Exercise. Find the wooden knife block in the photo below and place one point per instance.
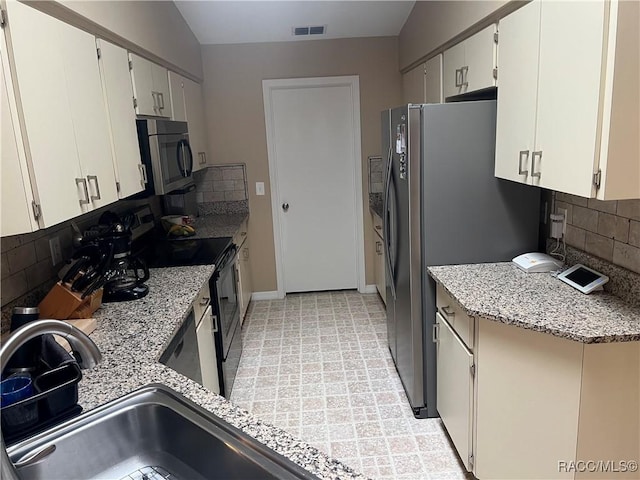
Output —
(61, 303)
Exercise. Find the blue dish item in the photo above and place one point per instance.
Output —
(15, 388)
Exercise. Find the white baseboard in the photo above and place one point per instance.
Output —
(370, 289)
(265, 295)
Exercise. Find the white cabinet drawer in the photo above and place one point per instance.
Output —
(453, 313)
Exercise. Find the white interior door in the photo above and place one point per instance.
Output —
(314, 135)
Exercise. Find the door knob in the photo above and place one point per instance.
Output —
(285, 207)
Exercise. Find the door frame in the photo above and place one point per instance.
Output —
(351, 81)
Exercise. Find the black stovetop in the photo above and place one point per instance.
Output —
(159, 251)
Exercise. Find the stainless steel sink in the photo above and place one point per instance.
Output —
(150, 433)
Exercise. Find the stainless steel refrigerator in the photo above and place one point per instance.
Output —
(442, 205)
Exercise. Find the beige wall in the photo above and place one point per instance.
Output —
(233, 77)
(433, 23)
(155, 26)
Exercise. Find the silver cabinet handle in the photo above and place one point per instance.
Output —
(203, 158)
(95, 179)
(155, 101)
(285, 207)
(458, 77)
(522, 171)
(86, 200)
(204, 301)
(533, 163)
(434, 333)
(464, 74)
(161, 98)
(448, 311)
(143, 174)
(378, 227)
(379, 248)
(215, 323)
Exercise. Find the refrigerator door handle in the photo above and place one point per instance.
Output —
(387, 231)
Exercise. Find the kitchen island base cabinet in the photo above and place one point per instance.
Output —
(545, 402)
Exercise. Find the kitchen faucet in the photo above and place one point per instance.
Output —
(86, 353)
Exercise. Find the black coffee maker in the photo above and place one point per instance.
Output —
(124, 274)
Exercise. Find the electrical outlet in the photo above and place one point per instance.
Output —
(563, 212)
(259, 188)
(56, 250)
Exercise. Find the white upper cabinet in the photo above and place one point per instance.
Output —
(151, 87)
(118, 93)
(194, 106)
(65, 120)
(469, 65)
(16, 215)
(566, 119)
(414, 85)
(433, 80)
(176, 90)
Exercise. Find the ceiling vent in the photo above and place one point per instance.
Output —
(312, 30)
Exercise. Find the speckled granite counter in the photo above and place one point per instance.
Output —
(132, 335)
(538, 301)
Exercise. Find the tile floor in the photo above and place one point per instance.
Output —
(317, 365)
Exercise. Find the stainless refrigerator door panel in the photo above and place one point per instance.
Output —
(389, 205)
(406, 178)
(470, 216)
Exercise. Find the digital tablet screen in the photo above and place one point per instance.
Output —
(582, 276)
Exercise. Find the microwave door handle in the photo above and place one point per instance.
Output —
(180, 157)
(189, 170)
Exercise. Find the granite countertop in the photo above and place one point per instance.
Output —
(218, 225)
(132, 336)
(537, 301)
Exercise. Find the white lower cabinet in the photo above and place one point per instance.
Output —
(455, 388)
(379, 265)
(205, 332)
(521, 404)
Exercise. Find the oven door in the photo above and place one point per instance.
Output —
(227, 298)
(182, 354)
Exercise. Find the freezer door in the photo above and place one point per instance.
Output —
(388, 209)
(404, 246)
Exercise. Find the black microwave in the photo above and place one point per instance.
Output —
(166, 155)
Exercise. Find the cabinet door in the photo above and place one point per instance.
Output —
(207, 352)
(195, 118)
(89, 115)
(160, 77)
(517, 90)
(142, 80)
(453, 62)
(413, 85)
(569, 75)
(479, 60)
(118, 94)
(433, 80)
(16, 216)
(177, 97)
(454, 388)
(47, 113)
(247, 289)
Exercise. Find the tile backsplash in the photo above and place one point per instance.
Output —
(609, 230)
(221, 183)
(376, 184)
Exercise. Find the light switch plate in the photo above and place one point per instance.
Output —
(259, 188)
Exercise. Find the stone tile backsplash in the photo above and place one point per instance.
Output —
(609, 230)
(376, 175)
(221, 183)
